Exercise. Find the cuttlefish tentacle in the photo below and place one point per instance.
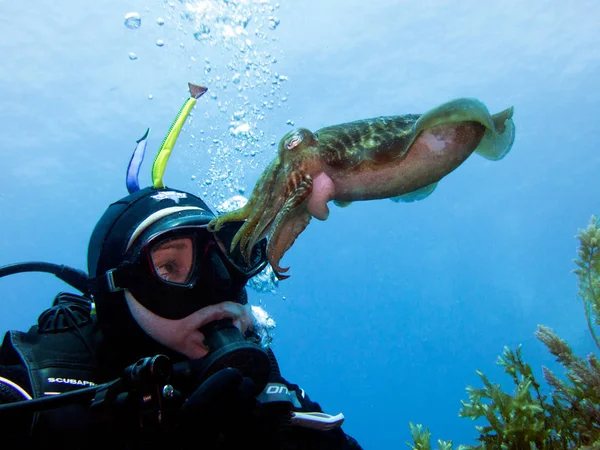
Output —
(258, 201)
(284, 236)
(282, 180)
(268, 200)
(237, 215)
(271, 203)
(397, 157)
(298, 185)
(288, 224)
(261, 202)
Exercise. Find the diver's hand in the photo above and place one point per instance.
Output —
(225, 394)
(184, 335)
(220, 410)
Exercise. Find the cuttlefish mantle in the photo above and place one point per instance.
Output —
(397, 157)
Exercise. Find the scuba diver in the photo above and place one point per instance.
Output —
(161, 349)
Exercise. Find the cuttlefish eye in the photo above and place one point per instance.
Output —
(294, 140)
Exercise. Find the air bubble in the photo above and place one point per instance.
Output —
(243, 128)
(240, 84)
(203, 33)
(133, 20)
(160, 21)
(132, 56)
(273, 22)
(160, 42)
(290, 122)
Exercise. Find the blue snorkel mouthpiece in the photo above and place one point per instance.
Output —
(133, 169)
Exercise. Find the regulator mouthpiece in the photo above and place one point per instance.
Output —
(229, 349)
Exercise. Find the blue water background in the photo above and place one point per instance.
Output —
(391, 308)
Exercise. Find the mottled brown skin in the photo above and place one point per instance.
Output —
(345, 146)
(383, 157)
(413, 169)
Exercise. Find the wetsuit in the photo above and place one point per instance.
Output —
(37, 364)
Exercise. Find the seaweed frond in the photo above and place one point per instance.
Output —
(422, 439)
(588, 274)
(567, 418)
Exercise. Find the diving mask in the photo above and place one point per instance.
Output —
(176, 266)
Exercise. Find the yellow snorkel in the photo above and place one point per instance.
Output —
(164, 151)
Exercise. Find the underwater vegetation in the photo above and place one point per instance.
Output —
(569, 416)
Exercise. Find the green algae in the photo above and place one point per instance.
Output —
(568, 417)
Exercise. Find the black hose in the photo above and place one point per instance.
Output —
(39, 404)
(74, 277)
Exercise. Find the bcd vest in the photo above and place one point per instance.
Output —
(58, 354)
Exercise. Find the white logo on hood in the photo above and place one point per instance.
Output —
(175, 196)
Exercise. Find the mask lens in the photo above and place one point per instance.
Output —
(173, 259)
(257, 260)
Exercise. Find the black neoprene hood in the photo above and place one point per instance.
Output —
(107, 247)
(114, 229)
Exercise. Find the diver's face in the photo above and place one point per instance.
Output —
(183, 335)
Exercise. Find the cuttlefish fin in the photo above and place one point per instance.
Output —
(458, 110)
(417, 195)
(497, 142)
(500, 128)
(341, 203)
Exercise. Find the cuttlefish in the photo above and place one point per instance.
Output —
(397, 157)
